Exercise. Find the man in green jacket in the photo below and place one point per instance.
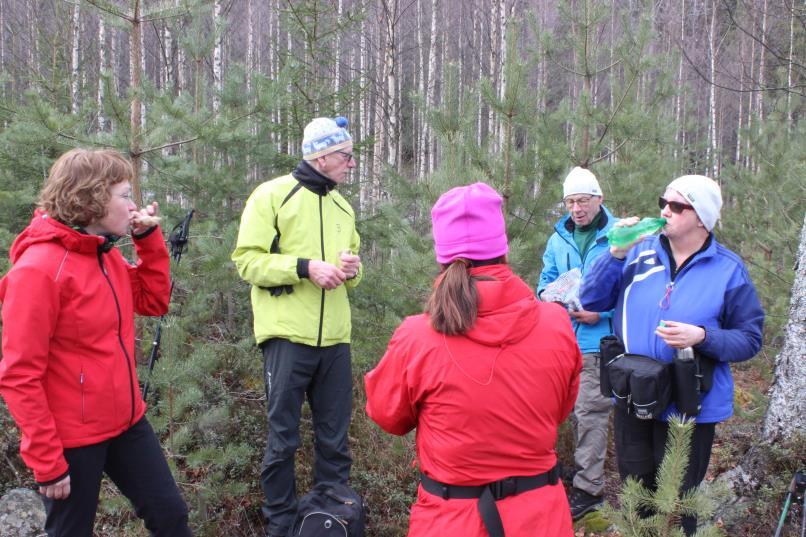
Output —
(297, 246)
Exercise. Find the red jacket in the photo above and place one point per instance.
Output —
(486, 406)
(67, 371)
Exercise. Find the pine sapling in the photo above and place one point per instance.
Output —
(656, 511)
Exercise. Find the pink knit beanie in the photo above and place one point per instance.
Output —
(467, 222)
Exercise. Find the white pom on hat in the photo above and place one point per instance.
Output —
(704, 194)
(324, 135)
(581, 181)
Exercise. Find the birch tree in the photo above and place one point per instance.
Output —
(75, 71)
(786, 413)
(217, 55)
(104, 71)
(711, 157)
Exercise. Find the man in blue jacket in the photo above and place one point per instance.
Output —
(677, 290)
(579, 238)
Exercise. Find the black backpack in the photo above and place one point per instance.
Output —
(330, 510)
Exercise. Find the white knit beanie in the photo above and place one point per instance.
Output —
(581, 181)
(324, 135)
(703, 193)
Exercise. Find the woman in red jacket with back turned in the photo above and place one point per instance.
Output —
(67, 371)
(486, 375)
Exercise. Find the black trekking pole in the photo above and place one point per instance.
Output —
(796, 492)
(179, 240)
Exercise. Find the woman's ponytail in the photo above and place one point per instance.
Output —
(453, 304)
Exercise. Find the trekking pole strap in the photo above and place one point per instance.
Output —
(489, 493)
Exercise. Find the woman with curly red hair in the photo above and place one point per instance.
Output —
(68, 374)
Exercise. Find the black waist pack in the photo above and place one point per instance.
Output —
(692, 379)
(330, 510)
(609, 348)
(641, 385)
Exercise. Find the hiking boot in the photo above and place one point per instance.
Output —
(581, 502)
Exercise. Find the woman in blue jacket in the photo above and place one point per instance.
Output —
(680, 289)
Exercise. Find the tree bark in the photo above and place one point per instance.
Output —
(431, 92)
(103, 68)
(74, 67)
(761, 61)
(136, 118)
(217, 56)
(786, 414)
(712, 157)
(680, 97)
(790, 61)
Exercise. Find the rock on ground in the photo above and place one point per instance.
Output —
(22, 514)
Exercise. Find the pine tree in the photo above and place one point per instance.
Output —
(645, 512)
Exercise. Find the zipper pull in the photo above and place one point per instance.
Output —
(666, 301)
(81, 378)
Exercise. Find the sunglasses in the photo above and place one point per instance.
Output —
(675, 206)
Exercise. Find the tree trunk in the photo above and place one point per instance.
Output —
(2, 43)
(113, 61)
(431, 91)
(790, 61)
(786, 413)
(711, 155)
(761, 61)
(740, 119)
(390, 70)
(363, 115)
(136, 117)
(478, 41)
(74, 67)
(495, 68)
(169, 58)
(750, 101)
(338, 53)
(679, 103)
(503, 26)
(103, 68)
(217, 54)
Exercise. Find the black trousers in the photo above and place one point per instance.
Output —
(135, 463)
(641, 444)
(292, 372)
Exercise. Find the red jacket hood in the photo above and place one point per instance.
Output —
(43, 228)
(507, 307)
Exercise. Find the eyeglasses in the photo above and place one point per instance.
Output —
(347, 156)
(675, 206)
(582, 203)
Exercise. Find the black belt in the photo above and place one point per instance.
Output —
(489, 493)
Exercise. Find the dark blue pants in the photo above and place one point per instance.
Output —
(641, 444)
(292, 372)
(135, 463)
